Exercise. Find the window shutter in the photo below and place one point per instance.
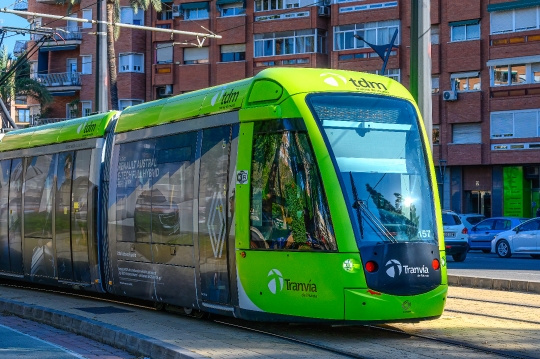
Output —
(137, 62)
(164, 53)
(467, 133)
(526, 19)
(525, 124)
(502, 125)
(226, 49)
(502, 21)
(124, 62)
(196, 53)
(126, 15)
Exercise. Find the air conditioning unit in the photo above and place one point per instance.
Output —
(176, 11)
(165, 91)
(450, 95)
(327, 2)
(324, 11)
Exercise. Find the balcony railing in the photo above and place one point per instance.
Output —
(61, 33)
(60, 79)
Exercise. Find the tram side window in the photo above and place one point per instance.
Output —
(5, 167)
(172, 189)
(289, 209)
(137, 168)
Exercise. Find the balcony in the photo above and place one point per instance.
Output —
(60, 38)
(61, 84)
(45, 121)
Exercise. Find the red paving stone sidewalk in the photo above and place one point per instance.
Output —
(80, 345)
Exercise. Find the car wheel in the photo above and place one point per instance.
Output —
(535, 256)
(459, 257)
(503, 249)
(486, 250)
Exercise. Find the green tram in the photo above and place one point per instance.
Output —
(296, 195)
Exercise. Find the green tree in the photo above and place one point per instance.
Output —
(19, 83)
(113, 32)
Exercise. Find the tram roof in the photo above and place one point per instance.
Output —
(268, 87)
(59, 132)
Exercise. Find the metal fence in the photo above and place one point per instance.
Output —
(60, 79)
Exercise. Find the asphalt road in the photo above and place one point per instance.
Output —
(489, 265)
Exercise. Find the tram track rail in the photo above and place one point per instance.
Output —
(495, 302)
(310, 343)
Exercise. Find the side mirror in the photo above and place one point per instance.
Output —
(516, 229)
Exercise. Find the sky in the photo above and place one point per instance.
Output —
(14, 21)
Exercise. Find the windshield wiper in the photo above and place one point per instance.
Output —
(362, 210)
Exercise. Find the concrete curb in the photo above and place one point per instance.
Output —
(117, 337)
(495, 284)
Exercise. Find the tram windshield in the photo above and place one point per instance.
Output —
(378, 151)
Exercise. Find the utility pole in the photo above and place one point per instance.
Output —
(420, 70)
(102, 75)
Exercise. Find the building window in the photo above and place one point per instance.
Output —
(515, 20)
(131, 62)
(434, 34)
(435, 85)
(515, 124)
(233, 9)
(86, 62)
(436, 135)
(195, 11)
(71, 110)
(123, 104)
(86, 108)
(231, 53)
(196, 55)
(22, 115)
(87, 14)
(265, 5)
(166, 13)
(164, 53)
(465, 30)
(378, 33)
(467, 133)
(290, 42)
(515, 74)
(128, 16)
(466, 81)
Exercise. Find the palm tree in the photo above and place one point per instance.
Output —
(113, 32)
(19, 83)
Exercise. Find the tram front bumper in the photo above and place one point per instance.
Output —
(368, 305)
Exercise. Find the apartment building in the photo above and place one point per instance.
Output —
(486, 72)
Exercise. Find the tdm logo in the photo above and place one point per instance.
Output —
(86, 128)
(368, 84)
(275, 278)
(225, 97)
(393, 268)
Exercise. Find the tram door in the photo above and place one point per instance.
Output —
(71, 216)
(215, 213)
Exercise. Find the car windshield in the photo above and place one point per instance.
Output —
(450, 219)
(377, 149)
(474, 220)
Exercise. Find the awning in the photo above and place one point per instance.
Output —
(225, 2)
(194, 5)
(464, 22)
(62, 93)
(510, 5)
(460, 75)
(58, 48)
(514, 60)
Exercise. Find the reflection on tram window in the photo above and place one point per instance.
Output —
(15, 215)
(5, 167)
(155, 190)
(62, 220)
(377, 147)
(288, 205)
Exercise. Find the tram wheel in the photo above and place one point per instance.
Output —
(503, 249)
(535, 256)
(159, 306)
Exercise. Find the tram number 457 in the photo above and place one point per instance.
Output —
(424, 233)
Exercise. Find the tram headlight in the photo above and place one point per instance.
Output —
(436, 264)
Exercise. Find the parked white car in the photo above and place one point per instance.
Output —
(522, 239)
(456, 237)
